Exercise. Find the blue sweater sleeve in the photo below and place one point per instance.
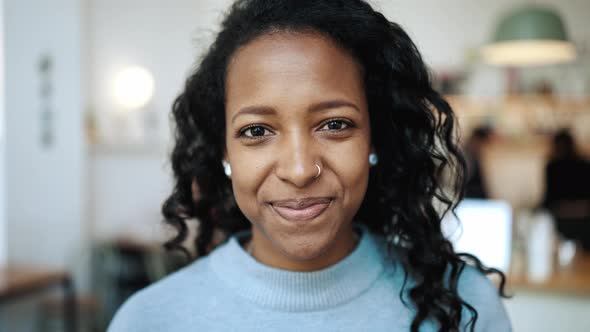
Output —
(478, 291)
(131, 317)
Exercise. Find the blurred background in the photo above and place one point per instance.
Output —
(85, 91)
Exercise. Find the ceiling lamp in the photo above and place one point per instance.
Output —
(133, 87)
(529, 36)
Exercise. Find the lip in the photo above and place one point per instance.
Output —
(301, 210)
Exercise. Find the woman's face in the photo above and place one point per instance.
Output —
(294, 101)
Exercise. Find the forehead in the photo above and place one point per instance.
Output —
(286, 62)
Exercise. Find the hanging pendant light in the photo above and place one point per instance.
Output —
(529, 36)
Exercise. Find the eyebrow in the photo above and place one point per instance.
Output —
(318, 107)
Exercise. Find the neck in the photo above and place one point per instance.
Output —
(262, 249)
(294, 291)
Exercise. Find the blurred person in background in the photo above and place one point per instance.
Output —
(475, 185)
(310, 138)
(567, 189)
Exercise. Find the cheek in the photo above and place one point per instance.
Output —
(356, 179)
(245, 198)
(248, 174)
(351, 167)
(355, 194)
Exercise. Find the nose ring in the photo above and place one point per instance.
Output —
(319, 171)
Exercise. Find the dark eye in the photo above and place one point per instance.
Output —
(254, 131)
(335, 125)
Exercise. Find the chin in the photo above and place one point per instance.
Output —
(304, 249)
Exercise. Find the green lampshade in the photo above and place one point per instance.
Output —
(530, 36)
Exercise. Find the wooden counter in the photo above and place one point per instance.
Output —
(573, 279)
(20, 281)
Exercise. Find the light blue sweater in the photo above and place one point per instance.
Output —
(231, 291)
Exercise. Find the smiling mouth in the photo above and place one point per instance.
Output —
(301, 210)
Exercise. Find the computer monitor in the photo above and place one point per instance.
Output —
(484, 230)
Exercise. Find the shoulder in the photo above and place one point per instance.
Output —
(474, 287)
(161, 301)
(478, 291)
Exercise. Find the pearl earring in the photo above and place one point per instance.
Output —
(373, 159)
(226, 168)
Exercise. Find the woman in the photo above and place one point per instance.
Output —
(311, 138)
(567, 189)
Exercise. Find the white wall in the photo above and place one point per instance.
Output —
(127, 193)
(44, 194)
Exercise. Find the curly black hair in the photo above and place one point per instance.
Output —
(413, 133)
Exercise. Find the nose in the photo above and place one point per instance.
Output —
(297, 160)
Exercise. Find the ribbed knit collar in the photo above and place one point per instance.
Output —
(298, 291)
